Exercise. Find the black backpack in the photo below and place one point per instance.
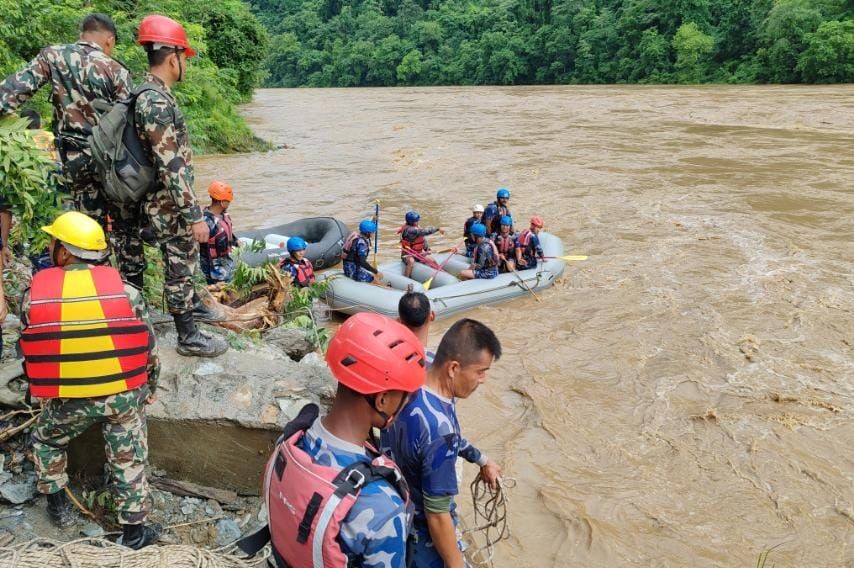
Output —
(125, 171)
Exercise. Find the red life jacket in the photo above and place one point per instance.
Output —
(490, 263)
(505, 243)
(82, 337)
(524, 238)
(304, 269)
(307, 502)
(223, 227)
(418, 245)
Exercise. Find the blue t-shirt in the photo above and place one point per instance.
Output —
(424, 441)
(376, 527)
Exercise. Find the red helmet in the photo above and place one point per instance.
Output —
(537, 221)
(372, 353)
(160, 29)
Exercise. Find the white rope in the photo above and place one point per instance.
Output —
(490, 517)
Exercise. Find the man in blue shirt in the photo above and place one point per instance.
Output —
(425, 442)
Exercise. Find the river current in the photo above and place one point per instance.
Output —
(683, 397)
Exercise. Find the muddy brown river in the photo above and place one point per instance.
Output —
(683, 397)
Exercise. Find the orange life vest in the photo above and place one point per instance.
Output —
(417, 245)
(347, 252)
(505, 243)
(304, 271)
(82, 337)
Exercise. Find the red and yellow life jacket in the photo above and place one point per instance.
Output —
(417, 245)
(82, 337)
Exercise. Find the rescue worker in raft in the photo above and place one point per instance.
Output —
(413, 244)
(505, 244)
(476, 216)
(215, 255)
(295, 264)
(528, 249)
(496, 210)
(484, 260)
(325, 479)
(355, 253)
(89, 354)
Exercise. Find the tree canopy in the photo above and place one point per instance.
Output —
(322, 43)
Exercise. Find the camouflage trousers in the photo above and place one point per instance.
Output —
(180, 250)
(123, 424)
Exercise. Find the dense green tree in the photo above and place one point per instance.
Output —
(829, 56)
(692, 48)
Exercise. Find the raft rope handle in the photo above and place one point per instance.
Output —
(490, 516)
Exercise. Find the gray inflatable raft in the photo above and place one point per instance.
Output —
(448, 295)
(325, 237)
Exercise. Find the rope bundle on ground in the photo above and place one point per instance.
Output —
(100, 553)
(490, 517)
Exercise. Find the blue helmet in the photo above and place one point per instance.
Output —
(412, 217)
(507, 220)
(478, 230)
(503, 194)
(296, 244)
(367, 226)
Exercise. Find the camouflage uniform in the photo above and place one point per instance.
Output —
(83, 80)
(123, 424)
(172, 207)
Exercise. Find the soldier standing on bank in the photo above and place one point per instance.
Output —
(90, 355)
(84, 81)
(172, 207)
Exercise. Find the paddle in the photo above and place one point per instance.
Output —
(569, 257)
(424, 260)
(429, 281)
(377, 233)
(525, 284)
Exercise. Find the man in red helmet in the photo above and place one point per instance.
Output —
(172, 208)
(324, 479)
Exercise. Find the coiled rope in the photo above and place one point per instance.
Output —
(490, 517)
(101, 553)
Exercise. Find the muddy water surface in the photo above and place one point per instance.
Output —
(684, 397)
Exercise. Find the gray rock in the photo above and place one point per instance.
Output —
(17, 492)
(227, 532)
(297, 343)
(92, 530)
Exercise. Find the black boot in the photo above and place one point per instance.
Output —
(136, 279)
(60, 510)
(192, 342)
(204, 313)
(137, 536)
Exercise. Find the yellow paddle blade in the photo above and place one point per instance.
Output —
(574, 257)
(427, 283)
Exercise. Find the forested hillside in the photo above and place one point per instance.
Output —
(231, 42)
(464, 42)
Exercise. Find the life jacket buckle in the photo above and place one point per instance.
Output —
(359, 482)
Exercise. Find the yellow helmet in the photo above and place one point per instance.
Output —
(80, 234)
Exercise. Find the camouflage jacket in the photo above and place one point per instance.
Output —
(163, 131)
(80, 74)
(140, 309)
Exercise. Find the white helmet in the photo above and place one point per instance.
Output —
(478, 208)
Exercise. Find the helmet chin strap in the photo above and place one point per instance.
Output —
(180, 67)
(389, 418)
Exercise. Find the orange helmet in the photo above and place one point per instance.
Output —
(166, 31)
(220, 191)
(537, 221)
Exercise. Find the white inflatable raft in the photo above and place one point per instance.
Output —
(448, 295)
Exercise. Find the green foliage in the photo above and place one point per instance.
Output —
(231, 41)
(326, 43)
(247, 277)
(299, 314)
(27, 179)
(155, 271)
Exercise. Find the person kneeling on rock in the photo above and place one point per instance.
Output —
(90, 355)
(324, 479)
(295, 264)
